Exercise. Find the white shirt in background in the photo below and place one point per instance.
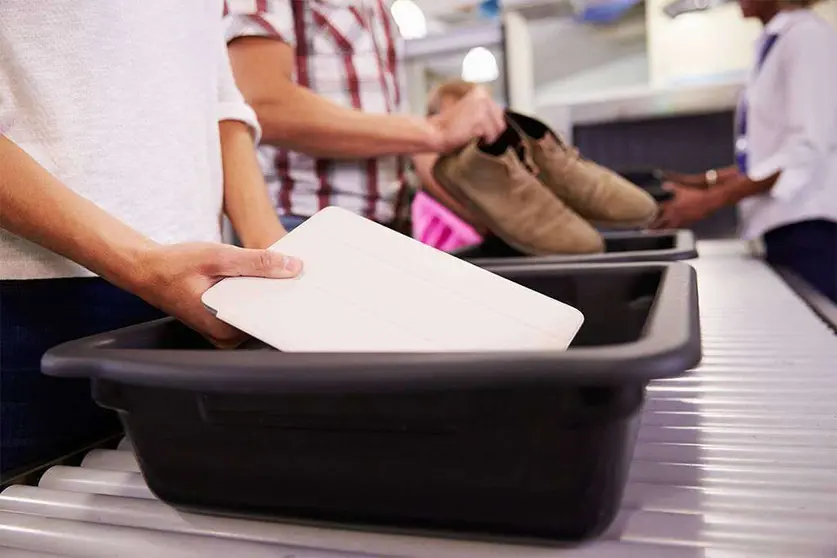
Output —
(120, 99)
(792, 125)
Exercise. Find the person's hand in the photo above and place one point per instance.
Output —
(173, 278)
(688, 206)
(475, 116)
(694, 180)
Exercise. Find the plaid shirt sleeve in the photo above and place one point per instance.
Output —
(260, 18)
(401, 79)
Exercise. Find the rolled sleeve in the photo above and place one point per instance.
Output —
(770, 166)
(231, 104)
(272, 19)
(810, 114)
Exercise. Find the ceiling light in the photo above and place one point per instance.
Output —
(410, 19)
(480, 66)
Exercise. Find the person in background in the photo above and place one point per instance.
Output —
(119, 152)
(325, 79)
(785, 177)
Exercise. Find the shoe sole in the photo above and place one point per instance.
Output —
(459, 196)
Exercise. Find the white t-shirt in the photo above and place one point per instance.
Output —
(792, 125)
(120, 99)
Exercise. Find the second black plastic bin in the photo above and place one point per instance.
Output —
(527, 444)
(628, 246)
(650, 180)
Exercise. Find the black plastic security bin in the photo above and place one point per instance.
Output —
(651, 180)
(626, 246)
(531, 444)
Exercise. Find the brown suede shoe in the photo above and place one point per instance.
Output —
(494, 184)
(597, 194)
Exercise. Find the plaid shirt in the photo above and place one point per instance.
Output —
(349, 52)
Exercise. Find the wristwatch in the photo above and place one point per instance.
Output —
(711, 177)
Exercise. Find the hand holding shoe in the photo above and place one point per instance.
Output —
(173, 278)
(688, 206)
(475, 116)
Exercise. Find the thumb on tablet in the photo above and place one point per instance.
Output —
(241, 262)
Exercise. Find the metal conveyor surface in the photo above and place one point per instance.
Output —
(736, 460)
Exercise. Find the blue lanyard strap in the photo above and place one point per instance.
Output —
(741, 119)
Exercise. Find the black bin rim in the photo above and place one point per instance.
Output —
(668, 348)
(685, 248)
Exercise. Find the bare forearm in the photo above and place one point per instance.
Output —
(246, 201)
(297, 118)
(37, 206)
(305, 122)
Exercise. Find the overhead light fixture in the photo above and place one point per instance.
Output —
(410, 19)
(480, 66)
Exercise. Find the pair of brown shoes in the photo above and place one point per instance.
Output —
(537, 194)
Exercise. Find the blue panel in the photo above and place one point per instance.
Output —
(489, 9)
(605, 11)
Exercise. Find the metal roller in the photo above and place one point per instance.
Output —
(111, 460)
(706, 454)
(732, 355)
(767, 395)
(78, 509)
(788, 408)
(681, 505)
(691, 471)
(82, 479)
(719, 492)
(95, 540)
(760, 536)
(762, 437)
(15, 553)
(690, 474)
(763, 375)
(701, 500)
(730, 419)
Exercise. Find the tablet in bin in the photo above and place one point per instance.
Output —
(367, 288)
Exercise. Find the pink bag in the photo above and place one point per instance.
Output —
(437, 226)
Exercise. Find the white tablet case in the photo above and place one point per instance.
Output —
(367, 288)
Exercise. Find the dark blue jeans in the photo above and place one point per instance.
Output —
(290, 222)
(43, 418)
(809, 249)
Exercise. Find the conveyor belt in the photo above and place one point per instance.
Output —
(737, 460)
